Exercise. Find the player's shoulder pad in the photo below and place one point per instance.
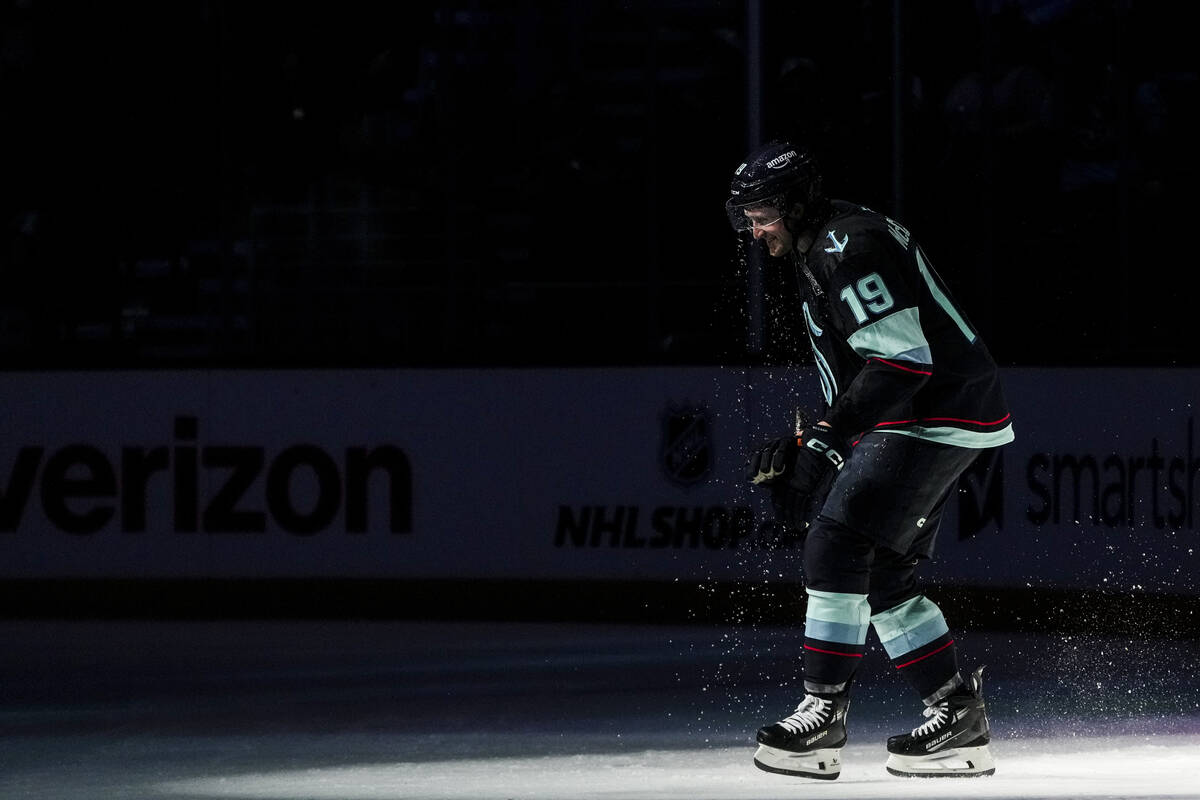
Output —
(853, 231)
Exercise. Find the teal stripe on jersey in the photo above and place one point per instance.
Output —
(837, 617)
(941, 299)
(897, 336)
(909, 626)
(920, 355)
(955, 436)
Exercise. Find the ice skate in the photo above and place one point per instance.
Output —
(952, 743)
(808, 743)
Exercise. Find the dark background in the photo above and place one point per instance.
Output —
(206, 183)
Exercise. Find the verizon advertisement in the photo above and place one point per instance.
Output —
(630, 474)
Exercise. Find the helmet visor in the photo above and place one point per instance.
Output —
(749, 216)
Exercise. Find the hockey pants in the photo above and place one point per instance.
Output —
(852, 584)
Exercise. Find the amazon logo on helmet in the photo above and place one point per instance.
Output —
(784, 160)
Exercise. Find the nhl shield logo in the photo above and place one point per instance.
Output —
(686, 452)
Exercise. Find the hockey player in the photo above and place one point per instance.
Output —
(912, 396)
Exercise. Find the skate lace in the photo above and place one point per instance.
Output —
(810, 714)
(937, 716)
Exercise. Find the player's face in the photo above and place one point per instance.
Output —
(766, 223)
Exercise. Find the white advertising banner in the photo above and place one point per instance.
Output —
(1101, 488)
(628, 474)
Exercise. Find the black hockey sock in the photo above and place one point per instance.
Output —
(918, 641)
(932, 670)
(835, 635)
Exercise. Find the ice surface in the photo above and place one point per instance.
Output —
(1037, 768)
(352, 710)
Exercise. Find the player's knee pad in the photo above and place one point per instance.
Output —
(836, 558)
(893, 579)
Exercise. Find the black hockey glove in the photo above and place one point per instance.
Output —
(805, 456)
(799, 470)
(820, 452)
(772, 460)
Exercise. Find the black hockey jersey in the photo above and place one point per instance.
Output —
(894, 352)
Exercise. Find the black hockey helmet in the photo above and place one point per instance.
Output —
(779, 175)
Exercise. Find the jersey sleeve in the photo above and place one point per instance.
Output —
(875, 309)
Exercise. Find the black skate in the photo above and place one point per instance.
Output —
(952, 743)
(809, 742)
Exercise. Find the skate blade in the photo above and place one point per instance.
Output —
(823, 765)
(957, 762)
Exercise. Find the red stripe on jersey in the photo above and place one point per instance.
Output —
(898, 366)
(894, 422)
(1005, 418)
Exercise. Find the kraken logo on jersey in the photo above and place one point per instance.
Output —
(828, 381)
(837, 246)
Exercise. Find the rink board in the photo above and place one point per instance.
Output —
(553, 475)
